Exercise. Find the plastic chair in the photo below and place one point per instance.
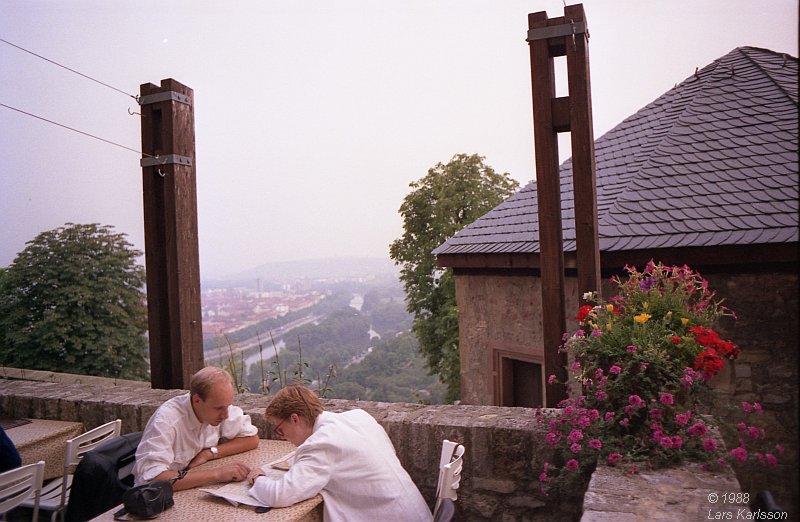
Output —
(55, 494)
(18, 484)
(450, 464)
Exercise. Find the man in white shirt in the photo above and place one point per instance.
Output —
(191, 429)
(346, 457)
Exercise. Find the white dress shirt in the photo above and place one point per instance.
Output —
(174, 436)
(351, 461)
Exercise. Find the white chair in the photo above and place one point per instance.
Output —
(18, 484)
(450, 464)
(55, 494)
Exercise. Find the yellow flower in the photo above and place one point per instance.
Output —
(610, 307)
(608, 327)
(684, 321)
(645, 305)
(669, 314)
(642, 318)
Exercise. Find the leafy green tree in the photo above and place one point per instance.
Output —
(72, 301)
(446, 200)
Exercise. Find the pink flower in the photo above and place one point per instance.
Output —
(595, 444)
(710, 444)
(584, 422)
(656, 413)
(635, 401)
(779, 449)
(624, 422)
(574, 436)
(687, 381)
(553, 438)
(631, 348)
(739, 453)
(666, 398)
(594, 414)
(573, 465)
(753, 432)
(598, 373)
(551, 379)
(677, 442)
(698, 429)
(741, 426)
(614, 458)
(616, 370)
(609, 416)
(771, 460)
(576, 448)
(543, 475)
(746, 407)
(665, 442)
(575, 366)
(683, 418)
(757, 407)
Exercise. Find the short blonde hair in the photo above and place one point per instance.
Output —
(295, 398)
(205, 379)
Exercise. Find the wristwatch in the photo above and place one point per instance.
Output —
(214, 452)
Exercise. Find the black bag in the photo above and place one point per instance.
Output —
(148, 500)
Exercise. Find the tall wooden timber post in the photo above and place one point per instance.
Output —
(170, 225)
(549, 38)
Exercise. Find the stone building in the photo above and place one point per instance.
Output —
(706, 175)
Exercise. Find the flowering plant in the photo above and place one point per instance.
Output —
(639, 366)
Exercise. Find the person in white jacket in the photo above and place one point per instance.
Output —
(346, 457)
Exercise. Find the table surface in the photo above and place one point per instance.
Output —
(44, 440)
(195, 505)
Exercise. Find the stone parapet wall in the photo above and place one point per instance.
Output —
(505, 447)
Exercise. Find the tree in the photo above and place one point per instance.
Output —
(72, 301)
(446, 200)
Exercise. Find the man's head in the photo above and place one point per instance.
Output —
(211, 391)
(293, 411)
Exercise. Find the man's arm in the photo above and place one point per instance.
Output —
(231, 447)
(194, 478)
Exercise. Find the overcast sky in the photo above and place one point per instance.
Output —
(312, 117)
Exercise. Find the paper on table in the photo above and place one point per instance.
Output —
(239, 492)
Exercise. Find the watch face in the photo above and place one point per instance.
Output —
(214, 450)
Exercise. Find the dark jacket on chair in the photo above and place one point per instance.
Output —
(97, 485)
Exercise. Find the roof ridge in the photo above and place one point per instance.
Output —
(765, 71)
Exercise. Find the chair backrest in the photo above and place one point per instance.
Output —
(88, 441)
(19, 484)
(450, 464)
(84, 443)
(102, 477)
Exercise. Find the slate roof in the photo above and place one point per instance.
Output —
(714, 161)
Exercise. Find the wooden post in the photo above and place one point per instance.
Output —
(587, 248)
(170, 226)
(549, 38)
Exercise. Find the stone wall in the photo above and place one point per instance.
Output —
(505, 447)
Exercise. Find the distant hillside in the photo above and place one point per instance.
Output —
(333, 268)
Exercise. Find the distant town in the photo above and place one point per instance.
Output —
(226, 310)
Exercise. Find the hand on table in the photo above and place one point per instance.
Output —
(253, 475)
(235, 472)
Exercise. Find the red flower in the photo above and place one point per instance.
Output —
(709, 362)
(583, 312)
(676, 339)
(708, 338)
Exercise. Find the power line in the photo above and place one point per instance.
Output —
(69, 69)
(74, 130)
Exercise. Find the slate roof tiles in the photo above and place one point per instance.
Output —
(713, 161)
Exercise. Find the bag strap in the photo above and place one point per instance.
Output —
(120, 514)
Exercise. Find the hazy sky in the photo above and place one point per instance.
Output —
(312, 117)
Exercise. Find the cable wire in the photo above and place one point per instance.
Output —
(75, 130)
(71, 70)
